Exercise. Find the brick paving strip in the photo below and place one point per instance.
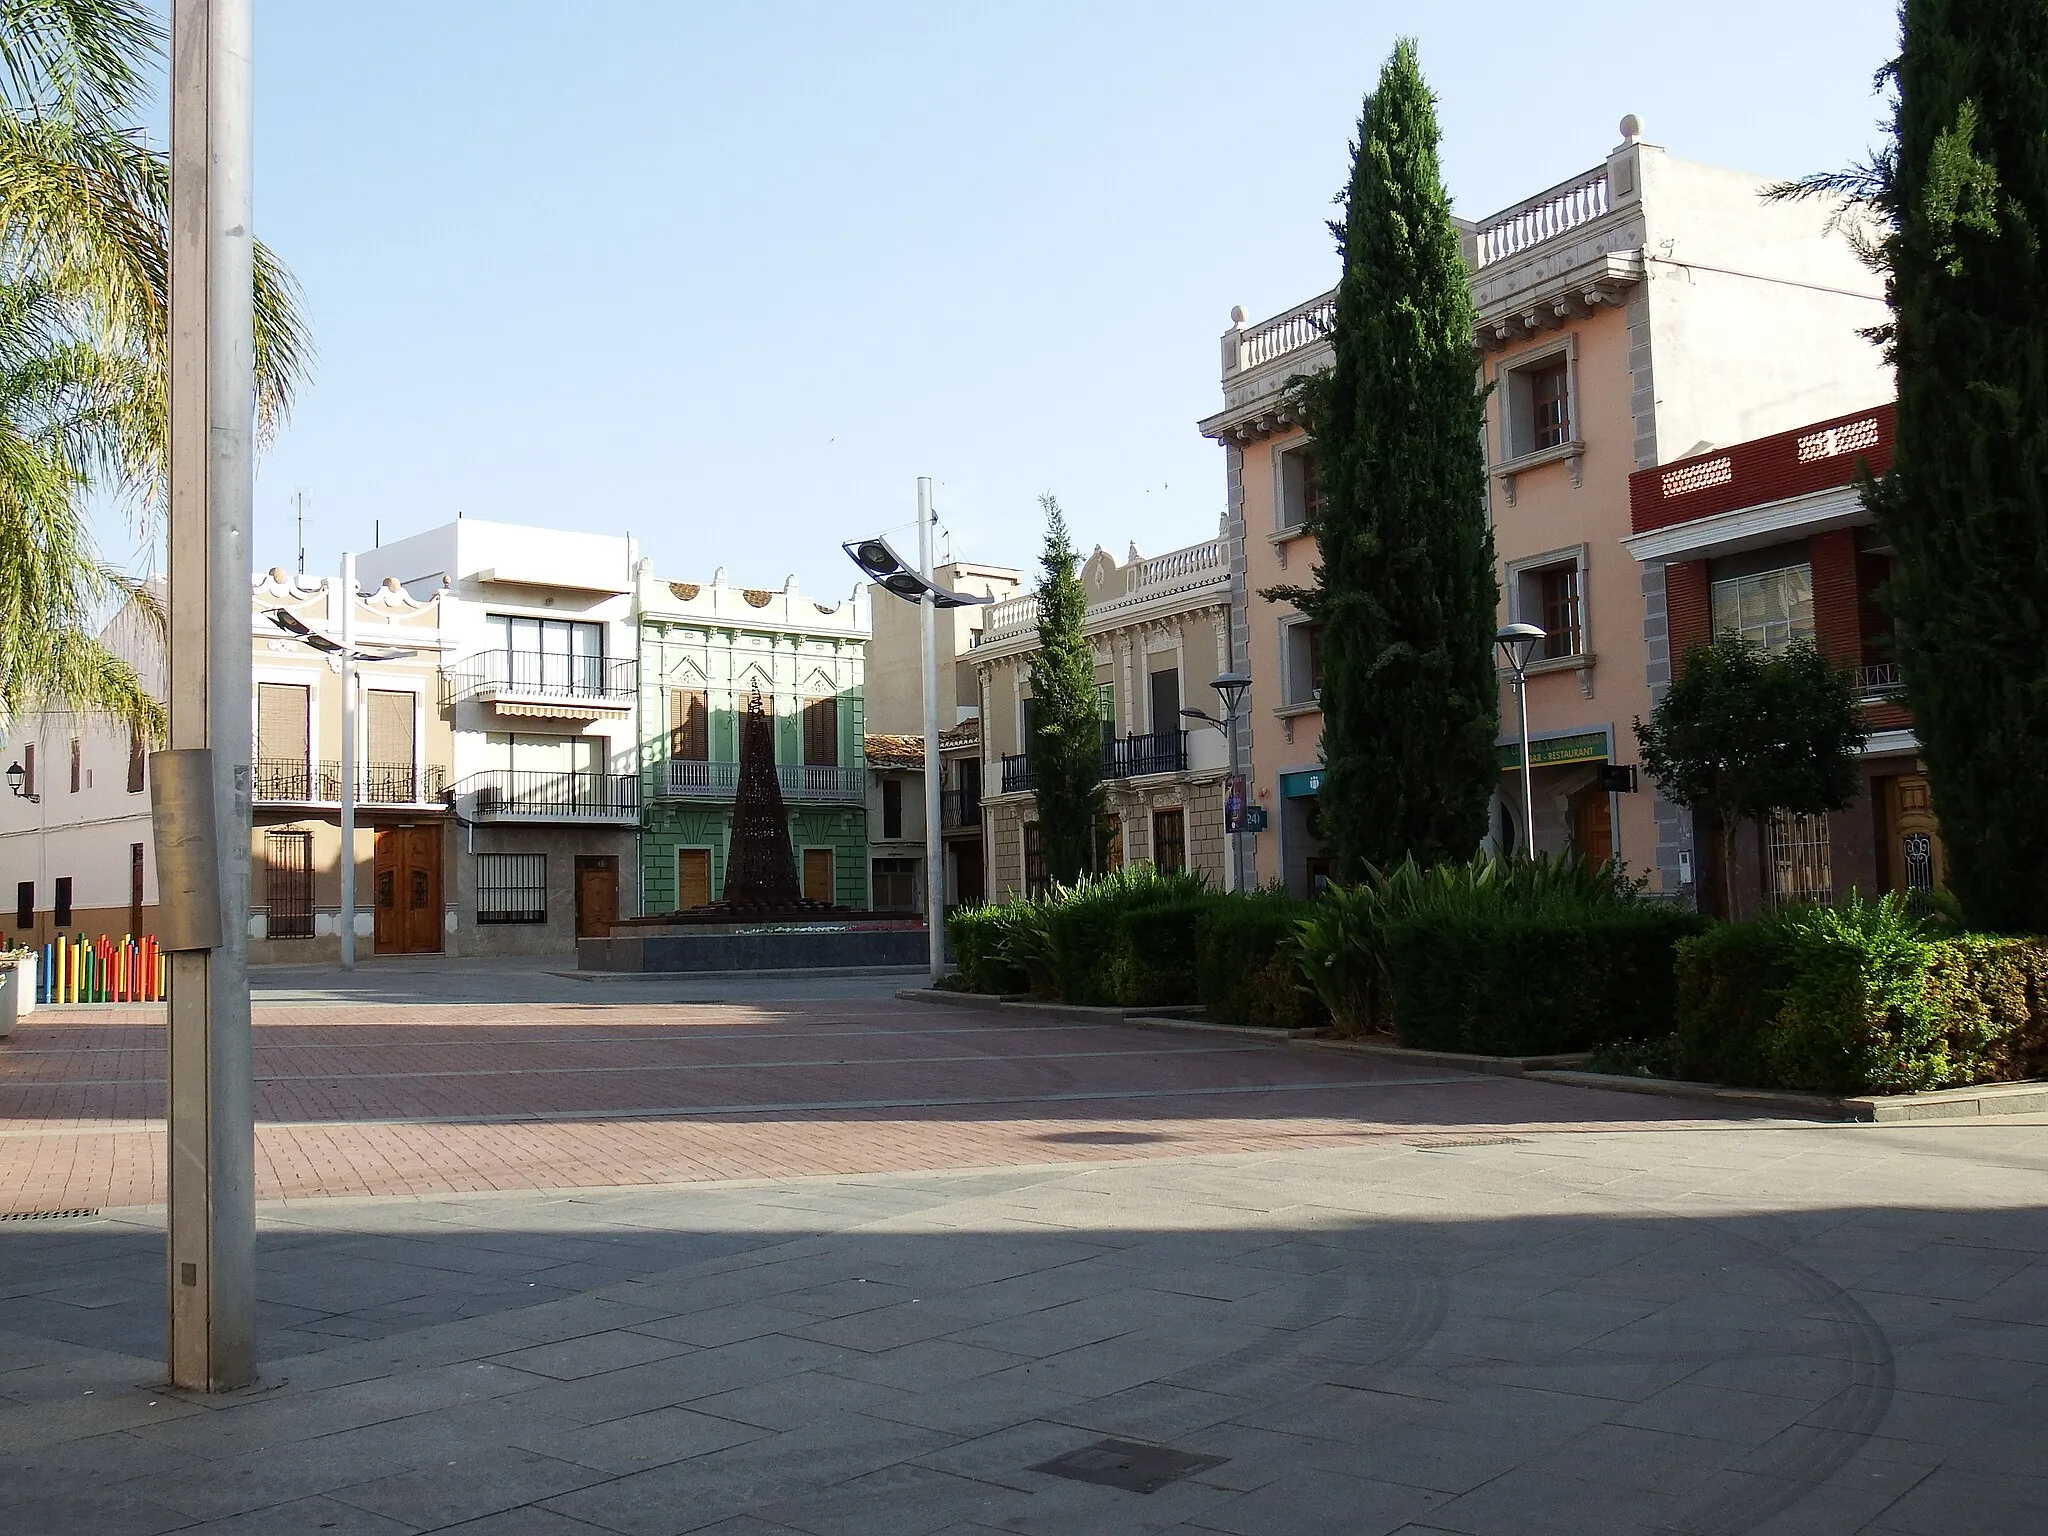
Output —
(380, 1099)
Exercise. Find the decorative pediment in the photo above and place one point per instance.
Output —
(755, 679)
(684, 672)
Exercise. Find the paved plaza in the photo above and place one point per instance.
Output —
(546, 1256)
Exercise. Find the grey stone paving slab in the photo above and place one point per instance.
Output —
(1799, 1331)
(313, 1516)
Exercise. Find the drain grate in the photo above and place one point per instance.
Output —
(1128, 1464)
(1452, 1143)
(45, 1215)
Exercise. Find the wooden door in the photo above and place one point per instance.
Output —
(1593, 825)
(693, 878)
(597, 895)
(407, 891)
(1913, 852)
(818, 875)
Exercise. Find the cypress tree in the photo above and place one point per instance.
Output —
(1964, 188)
(1405, 590)
(1066, 732)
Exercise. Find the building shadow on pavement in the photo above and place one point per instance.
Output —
(1556, 1335)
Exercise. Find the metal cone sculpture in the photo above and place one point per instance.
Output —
(760, 865)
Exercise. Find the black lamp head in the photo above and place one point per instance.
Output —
(883, 565)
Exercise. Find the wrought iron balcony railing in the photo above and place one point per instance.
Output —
(1016, 773)
(682, 779)
(959, 808)
(1882, 681)
(1129, 757)
(298, 781)
(541, 674)
(520, 794)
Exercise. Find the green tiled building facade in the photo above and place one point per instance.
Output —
(705, 651)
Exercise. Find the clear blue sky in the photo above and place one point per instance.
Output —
(729, 277)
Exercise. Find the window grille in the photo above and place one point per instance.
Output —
(1802, 866)
(288, 884)
(60, 902)
(1034, 861)
(511, 888)
(1169, 841)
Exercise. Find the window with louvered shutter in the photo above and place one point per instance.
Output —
(821, 732)
(281, 714)
(689, 725)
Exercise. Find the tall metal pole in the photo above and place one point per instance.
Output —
(347, 916)
(1528, 773)
(1235, 868)
(928, 651)
(211, 1218)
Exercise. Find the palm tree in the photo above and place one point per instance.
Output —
(84, 341)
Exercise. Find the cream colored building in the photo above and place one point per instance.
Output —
(895, 725)
(80, 859)
(1642, 311)
(1161, 630)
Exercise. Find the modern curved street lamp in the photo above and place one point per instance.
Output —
(1230, 689)
(1518, 644)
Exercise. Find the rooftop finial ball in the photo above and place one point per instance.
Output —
(1631, 127)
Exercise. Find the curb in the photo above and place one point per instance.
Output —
(1169, 1018)
(1498, 1066)
(1981, 1101)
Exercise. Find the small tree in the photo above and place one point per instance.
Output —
(1743, 734)
(1405, 589)
(1066, 731)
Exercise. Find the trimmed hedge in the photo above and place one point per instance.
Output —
(1152, 963)
(1860, 999)
(980, 938)
(1246, 969)
(1534, 982)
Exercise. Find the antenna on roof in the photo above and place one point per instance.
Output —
(299, 500)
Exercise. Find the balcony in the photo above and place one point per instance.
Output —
(959, 809)
(547, 684)
(527, 795)
(297, 781)
(1176, 573)
(1131, 757)
(1123, 757)
(678, 779)
(1882, 681)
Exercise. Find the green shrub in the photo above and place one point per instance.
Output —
(1554, 976)
(1869, 997)
(1246, 969)
(1084, 928)
(1153, 962)
(981, 941)
(1337, 948)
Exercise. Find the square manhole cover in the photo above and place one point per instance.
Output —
(1128, 1464)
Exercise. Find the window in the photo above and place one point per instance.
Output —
(689, 725)
(288, 884)
(60, 902)
(1558, 602)
(511, 888)
(389, 779)
(895, 883)
(28, 769)
(1301, 488)
(1770, 609)
(1034, 861)
(1802, 865)
(1109, 843)
(1536, 406)
(561, 656)
(77, 764)
(1169, 841)
(821, 733)
(25, 904)
(137, 757)
(283, 771)
(1165, 686)
(1304, 679)
(1105, 708)
(134, 886)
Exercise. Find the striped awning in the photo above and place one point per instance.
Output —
(563, 711)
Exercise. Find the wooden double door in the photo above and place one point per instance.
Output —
(407, 887)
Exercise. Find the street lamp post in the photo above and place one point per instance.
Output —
(915, 585)
(1230, 689)
(1517, 644)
